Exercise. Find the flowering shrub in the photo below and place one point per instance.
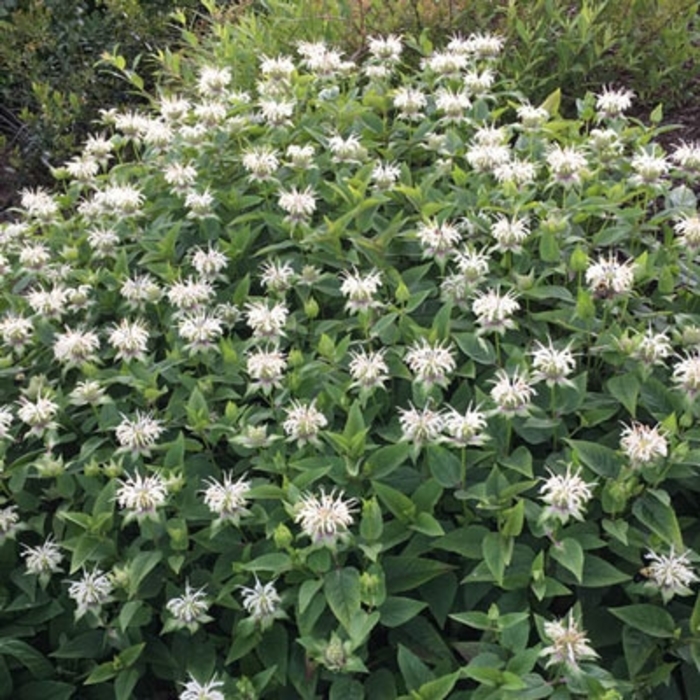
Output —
(361, 381)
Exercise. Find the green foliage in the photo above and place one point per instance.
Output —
(352, 379)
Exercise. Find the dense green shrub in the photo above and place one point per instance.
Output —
(353, 379)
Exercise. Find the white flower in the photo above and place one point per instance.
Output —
(140, 434)
(141, 495)
(532, 117)
(551, 365)
(130, 340)
(368, 369)
(200, 330)
(299, 204)
(566, 495)
(277, 276)
(194, 690)
(9, 523)
(190, 609)
(410, 103)
(486, 157)
(512, 395)
(445, 63)
(509, 234)
(140, 291)
(213, 81)
(266, 368)
(672, 574)
(91, 592)
(465, 428)
(276, 112)
(612, 103)
(651, 348)
(643, 444)
(304, 423)
(227, 498)
(385, 175)
(87, 393)
(359, 290)
(39, 204)
(190, 295)
(648, 168)
(493, 310)
(51, 303)
(200, 204)
(431, 363)
(266, 322)
(301, 157)
(261, 601)
(687, 155)
(34, 256)
(174, 108)
(324, 518)
(44, 559)
(74, 347)
(483, 45)
(181, 176)
(16, 331)
(279, 69)
(38, 414)
(386, 49)
(567, 165)
(99, 147)
(608, 277)
(5, 422)
(516, 171)
(209, 263)
(348, 150)
(686, 374)
(569, 644)
(120, 200)
(438, 239)
(261, 163)
(479, 82)
(688, 231)
(422, 426)
(103, 241)
(472, 264)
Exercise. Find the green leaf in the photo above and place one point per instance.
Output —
(444, 465)
(520, 460)
(125, 683)
(307, 591)
(650, 619)
(427, 525)
(415, 673)
(694, 621)
(404, 573)
(140, 566)
(438, 689)
(551, 102)
(35, 662)
(396, 610)
(569, 554)
(371, 523)
(598, 458)
(387, 459)
(549, 247)
(399, 504)
(43, 690)
(625, 389)
(342, 590)
(598, 573)
(475, 347)
(659, 517)
(497, 551)
(637, 647)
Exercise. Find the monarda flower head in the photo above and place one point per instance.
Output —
(325, 518)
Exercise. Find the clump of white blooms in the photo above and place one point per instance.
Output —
(38, 414)
(130, 340)
(552, 365)
(91, 592)
(421, 426)
(139, 434)
(569, 644)
(324, 518)
(6, 418)
(431, 363)
(672, 573)
(463, 429)
(410, 102)
(227, 499)
(141, 496)
(687, 230)
(643, 444)
(299, 204)
(266, 369)
(509, 234)
(567, 165)
(194, 690)
(277, 276)
(262, 602)
(687, 156)
(438, 239)
(651, 348)
(43, 560)
(267, 322)
(493, 311)
(9, 523)
(304, 422)
(512, 394)
(649, 168)
(565, 495)
(189, 610)
(686, 375)
(607, 277)
(200, 330)
(368, 369)
(613, 103)
(359, 290)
